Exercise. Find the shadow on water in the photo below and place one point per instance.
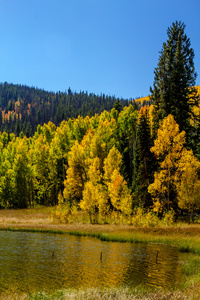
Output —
(41, 261)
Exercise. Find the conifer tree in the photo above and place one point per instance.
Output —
(174, 78)
(145, 160)
(126, 141)
(117, 105)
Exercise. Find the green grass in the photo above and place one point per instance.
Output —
(33, 230)
(184, 244)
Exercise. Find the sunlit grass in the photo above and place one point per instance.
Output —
(123, 293)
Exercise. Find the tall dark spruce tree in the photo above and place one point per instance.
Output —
(174, 79)
(145, 161)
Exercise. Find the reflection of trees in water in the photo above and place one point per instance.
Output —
(124, 264)
(47, 261)
(143, 268)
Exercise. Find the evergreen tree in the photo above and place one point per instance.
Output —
(174, 79)
(145, 160)
(117, 105)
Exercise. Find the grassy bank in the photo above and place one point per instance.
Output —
(144, 293)
(121, 294)
(185, 237)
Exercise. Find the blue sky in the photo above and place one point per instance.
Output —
(99, 46)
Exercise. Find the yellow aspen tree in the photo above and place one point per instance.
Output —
(7, 174)
(103, 140)
(167, 148)
(80, 127)
(23, 175)
(187, 182)
(119, 193)
(39, 158)
(86, 141)
(96, 178)
(94, 194)
(61, 142)
(89, 203)
(112, 162)
(151, 115)
(48, 131)
(115, 188)
(76, 173)
(59, 149)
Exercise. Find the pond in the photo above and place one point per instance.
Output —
(33, 262)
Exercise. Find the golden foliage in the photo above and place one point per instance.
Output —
(169, 142)
(112, 162)
(167, 148)
(119, 193)
(141, 218)
(64, 212)
(76, 172)
(178, 169)
(188, 183)
(168, 217)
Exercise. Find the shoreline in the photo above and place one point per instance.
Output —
(185, 237)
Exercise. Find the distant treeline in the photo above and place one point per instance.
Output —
(23, 108)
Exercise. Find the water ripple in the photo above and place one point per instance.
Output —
(41, 261)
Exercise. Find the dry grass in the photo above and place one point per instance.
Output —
(41, 218)
(128, 294)
(192, 293)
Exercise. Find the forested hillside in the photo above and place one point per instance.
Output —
(22, 108)
(138, 158)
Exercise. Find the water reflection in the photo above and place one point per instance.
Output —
(42, 261)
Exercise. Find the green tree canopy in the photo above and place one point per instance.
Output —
(173, 89)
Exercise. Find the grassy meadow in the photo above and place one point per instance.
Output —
(185, 237)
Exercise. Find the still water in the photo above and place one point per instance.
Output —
(34, 262)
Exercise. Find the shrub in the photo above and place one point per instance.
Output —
(168, 217)
(64, 212)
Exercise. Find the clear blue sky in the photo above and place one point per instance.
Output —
(108, 46)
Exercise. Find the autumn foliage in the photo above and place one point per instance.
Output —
(102, 166)
(134, 164)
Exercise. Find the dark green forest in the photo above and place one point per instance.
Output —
(23, 108)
